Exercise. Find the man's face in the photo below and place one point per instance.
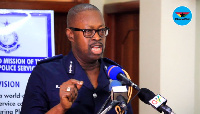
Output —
(88, 49)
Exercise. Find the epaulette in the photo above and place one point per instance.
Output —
(50, 59)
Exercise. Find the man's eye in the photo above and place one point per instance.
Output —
(89, 31)
(102, 30)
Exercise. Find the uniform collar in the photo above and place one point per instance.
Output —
(70, 63)
(75, 71)
(103, 79)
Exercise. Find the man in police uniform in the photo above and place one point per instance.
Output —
(76, 83)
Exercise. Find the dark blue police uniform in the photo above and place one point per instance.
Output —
(42, 91)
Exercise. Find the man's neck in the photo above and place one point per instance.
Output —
(92, 70)
(89, 66)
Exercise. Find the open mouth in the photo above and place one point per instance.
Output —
(96, 49)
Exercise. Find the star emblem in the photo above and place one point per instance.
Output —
(182, 14)
(6, 23)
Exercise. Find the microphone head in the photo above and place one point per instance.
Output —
(146, 95)
(113, 71)
(114, 83)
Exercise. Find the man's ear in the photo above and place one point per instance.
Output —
(70, 35)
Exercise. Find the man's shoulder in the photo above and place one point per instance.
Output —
(50, 59)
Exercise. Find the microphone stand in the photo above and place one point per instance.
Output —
(105, 103)
(112, 104)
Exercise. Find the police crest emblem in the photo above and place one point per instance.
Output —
(9, 42)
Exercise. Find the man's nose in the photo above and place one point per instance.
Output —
(96, 36)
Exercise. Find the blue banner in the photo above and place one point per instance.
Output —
(26, 37)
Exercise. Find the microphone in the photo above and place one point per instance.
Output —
(119, 93)
(113, 83)
(116, 73)
(112, 104)
(156, 101)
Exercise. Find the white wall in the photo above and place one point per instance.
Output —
(169, 67)
(98, 3)
(197, 61)
(115, 1)
(150, 38)
(178, 58)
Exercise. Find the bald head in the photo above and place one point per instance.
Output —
(77, 9)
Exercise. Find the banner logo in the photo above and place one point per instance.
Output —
(182, 15)
(9, 43)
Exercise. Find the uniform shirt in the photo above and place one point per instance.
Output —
(42, 91)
